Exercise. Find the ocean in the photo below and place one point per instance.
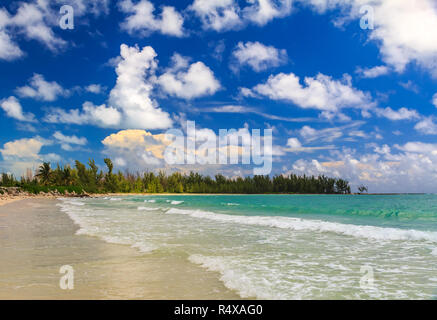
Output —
(281, 246)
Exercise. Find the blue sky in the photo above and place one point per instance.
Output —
(341, 100)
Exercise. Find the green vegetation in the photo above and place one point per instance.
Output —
(90, 179)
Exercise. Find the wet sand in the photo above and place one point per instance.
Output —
(36, 239)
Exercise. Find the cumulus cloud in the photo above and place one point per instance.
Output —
(427, 126)
(188, 81)
(41, 89)
(36, 20)
(434, 100)
(22, 148)
(141, 150)
(18, 155)
(141, 18)
(137, 149)
(130, 104)
(395, 115)
(405, 31)
(218, 15)
(373, 72)
(132, 92)
(224, 15)
(13, 109)
(263, 11)
(320, 92)
(101, 116)
(258, 56)
(412, 169)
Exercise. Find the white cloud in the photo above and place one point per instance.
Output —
(321, 93)
(427, 126)
(101, 116)
(188, 81)
(434, 100)
(263, 11)
(395, 115)
(410, 86)
(67, 141)
(41, 89)
(358, 134)
(310, 134)
(95, 88)
(294, 143)
(373, 72)
(259, 56)
(218, 15)
(141, 150)
(37, 20)
(8, 49)
(137, 149)
(224, 15)
(70, 139)
(130, 104)
(295, 146)
(18, 155)
(405, 31)
(22, 149)
(132, 92)
(13, 109)
(82, 7)
(34, 20)
(413, 169)
(141, 19)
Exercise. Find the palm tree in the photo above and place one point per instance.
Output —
(44, 173)
(362, 189)
(66, 176)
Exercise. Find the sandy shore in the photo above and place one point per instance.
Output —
(6, 199)
(36, 239)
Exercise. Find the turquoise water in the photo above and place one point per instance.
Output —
(283, 246)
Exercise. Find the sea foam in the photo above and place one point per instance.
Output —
(297, 224)
(148, 209)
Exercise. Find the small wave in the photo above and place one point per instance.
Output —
(233, 279)
(434, 252)
(297, 224)
(150, 201)
(232, 204)
(176, 202)
(115, 199)
(74, 203)
(147, 209)
(142, 247)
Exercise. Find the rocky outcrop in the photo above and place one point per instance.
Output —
(14, 192)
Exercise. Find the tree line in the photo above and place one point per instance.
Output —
(88, 178)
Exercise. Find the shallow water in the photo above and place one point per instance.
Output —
(282, 246)
(36, 239)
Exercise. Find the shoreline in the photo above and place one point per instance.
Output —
(39, 238)
(7, 198)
